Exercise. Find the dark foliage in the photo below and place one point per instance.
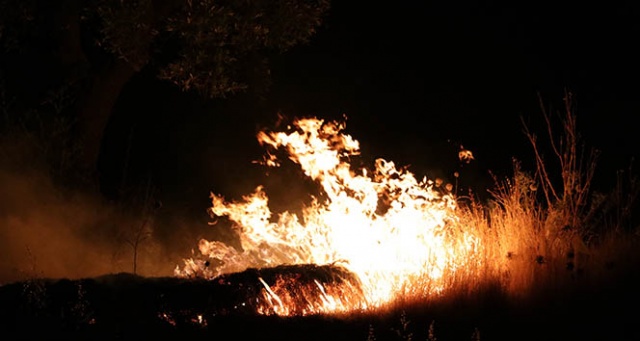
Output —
(129, 307)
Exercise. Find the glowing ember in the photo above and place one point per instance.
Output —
(396, 234)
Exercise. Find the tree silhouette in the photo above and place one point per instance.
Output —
(216, 48)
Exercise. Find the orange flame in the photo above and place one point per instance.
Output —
(397, 234)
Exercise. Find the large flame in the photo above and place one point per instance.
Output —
(398, 235)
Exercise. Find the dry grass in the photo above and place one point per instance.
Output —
(546, 228)
(544, 235)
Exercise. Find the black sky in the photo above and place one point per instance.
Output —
(468, 67)
(415, 79)
(414, 74)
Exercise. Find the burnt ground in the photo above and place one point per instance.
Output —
(129, 307)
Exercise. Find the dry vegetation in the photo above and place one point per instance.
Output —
(551, 245)
(558, 262)
(548, 227)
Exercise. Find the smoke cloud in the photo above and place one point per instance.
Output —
(47, 231)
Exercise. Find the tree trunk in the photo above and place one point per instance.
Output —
(102, 82)
(96, 107)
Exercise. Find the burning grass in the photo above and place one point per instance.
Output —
(377, 242)
(411, 240)
(388, 228)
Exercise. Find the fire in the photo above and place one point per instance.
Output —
(398, 235)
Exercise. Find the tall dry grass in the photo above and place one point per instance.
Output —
(543, 234)
(546, 229)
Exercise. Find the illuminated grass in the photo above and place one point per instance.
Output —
(546, 237)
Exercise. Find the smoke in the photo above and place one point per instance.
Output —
(42, 233)
(50, 231)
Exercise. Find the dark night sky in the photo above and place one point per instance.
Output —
(437, 71)
(415, 79)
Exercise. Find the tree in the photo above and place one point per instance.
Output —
(141, 229)
(214, 47)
